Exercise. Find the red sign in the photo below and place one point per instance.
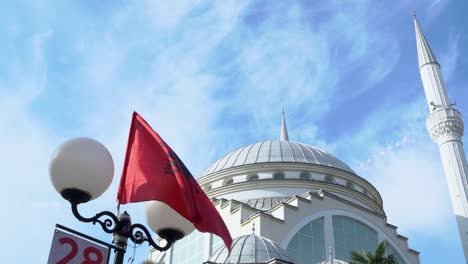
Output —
(68, 248)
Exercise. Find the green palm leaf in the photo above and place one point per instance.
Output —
(379, 256)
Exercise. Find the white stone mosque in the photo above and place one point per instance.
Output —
(290, 202)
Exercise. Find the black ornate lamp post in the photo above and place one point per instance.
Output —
(81, 170)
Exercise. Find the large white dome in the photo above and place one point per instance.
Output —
(276, 151)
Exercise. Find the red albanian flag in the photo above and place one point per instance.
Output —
(152, 171)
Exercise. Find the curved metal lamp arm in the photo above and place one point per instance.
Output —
(109, 224)
(139, 237)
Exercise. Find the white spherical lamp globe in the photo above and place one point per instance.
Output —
(81, 169)
(166, 222)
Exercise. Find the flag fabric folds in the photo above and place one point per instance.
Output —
(152, 171)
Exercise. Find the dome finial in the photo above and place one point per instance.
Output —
(253, 228)
(284, 130)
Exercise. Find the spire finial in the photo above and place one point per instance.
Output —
(253, 228)
(425, 54)
(284, 130)
(330, 256)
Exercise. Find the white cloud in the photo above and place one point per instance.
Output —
(404, 165)
(434, 9)
(412, 184)
(191, 69)
(27, 145)
(167, 15)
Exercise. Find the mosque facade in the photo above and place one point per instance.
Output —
(292, 203)
(289, 202)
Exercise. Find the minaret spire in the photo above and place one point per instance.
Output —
(445, 126)
(425, 54)
(429, 68)
(284, 130)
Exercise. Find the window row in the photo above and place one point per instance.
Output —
(302, 176)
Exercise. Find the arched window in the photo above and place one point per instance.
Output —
(253, 178)
(278, 176)
(351, 234)
(330, 179)
(364, 191)
(183, 250)
(304, 176)
(308, 244)
(350, 185)
(229, 182)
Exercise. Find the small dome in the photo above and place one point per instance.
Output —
(250, 249)
(276, 151)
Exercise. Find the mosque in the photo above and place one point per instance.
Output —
(292, 203)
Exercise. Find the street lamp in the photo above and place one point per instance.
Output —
(82, 169)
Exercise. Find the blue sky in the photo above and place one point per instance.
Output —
(213, 76)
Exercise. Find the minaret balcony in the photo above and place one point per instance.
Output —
(445, 124)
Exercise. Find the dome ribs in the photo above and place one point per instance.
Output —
(300, 151)
(308, 149)
(245, 151)
(275, 151)
(232, 159)
(259, 151)
(287, 147)
(272, 151)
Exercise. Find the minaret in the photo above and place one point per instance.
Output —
(284, 130)
(445, 127)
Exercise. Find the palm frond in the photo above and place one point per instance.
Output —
(380, 250)
(377, 257)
